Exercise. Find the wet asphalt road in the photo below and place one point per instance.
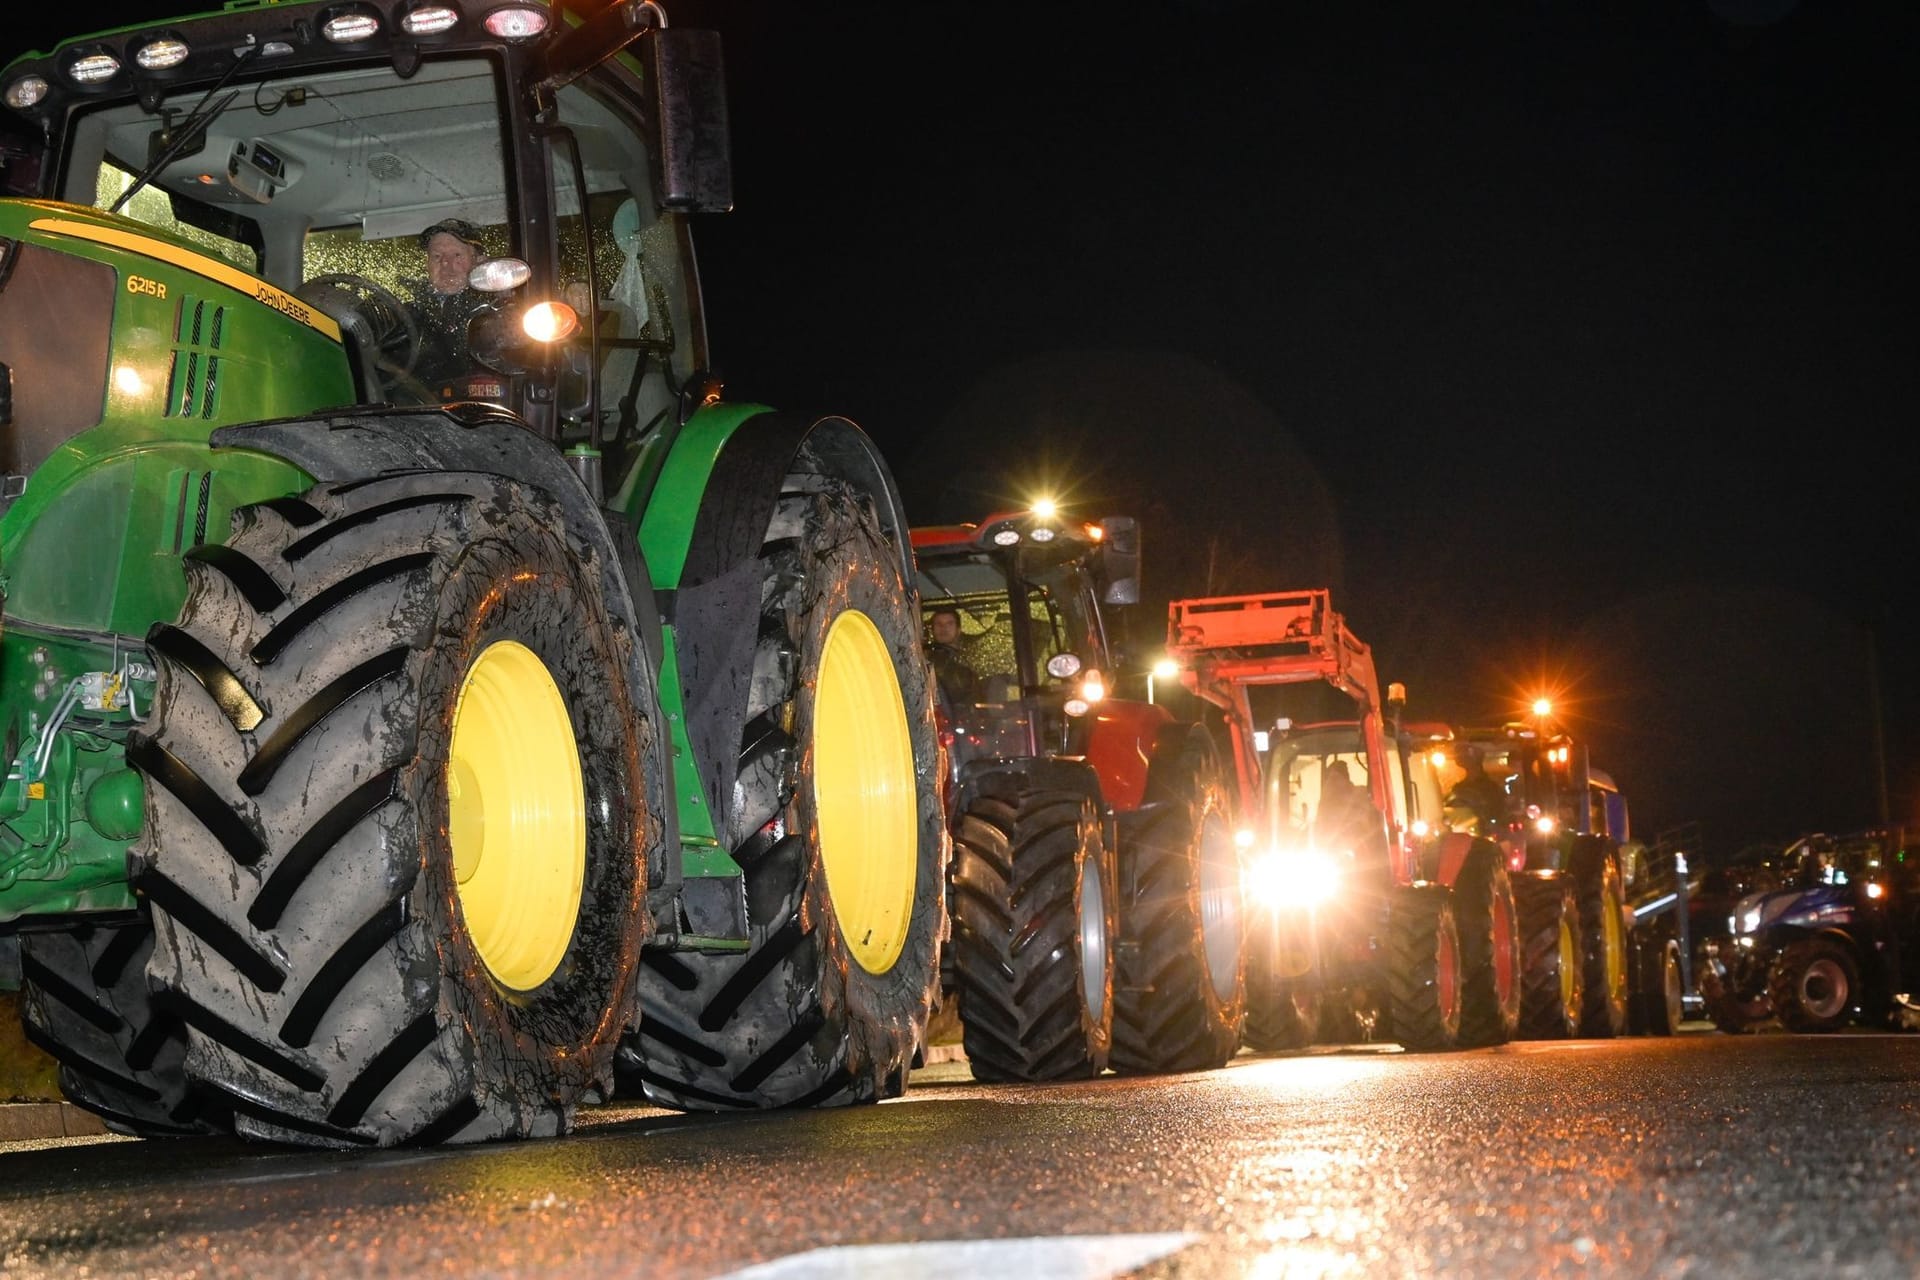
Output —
(1699, 1156)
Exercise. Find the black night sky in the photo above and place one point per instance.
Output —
(1570, 343)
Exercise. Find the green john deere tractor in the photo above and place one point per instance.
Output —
(396, 757)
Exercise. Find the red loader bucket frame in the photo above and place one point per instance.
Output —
(1225, 645)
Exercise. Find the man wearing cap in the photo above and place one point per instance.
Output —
(443, 303)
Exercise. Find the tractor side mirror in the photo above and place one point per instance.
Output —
(1120, 560)
(688, 80)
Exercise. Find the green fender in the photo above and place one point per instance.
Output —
(701, 504)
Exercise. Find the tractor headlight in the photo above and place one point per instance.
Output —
(1298, 879)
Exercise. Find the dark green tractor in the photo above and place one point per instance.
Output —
(395, 759)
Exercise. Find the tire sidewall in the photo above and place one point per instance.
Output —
(524, 586)
(901, 996)
(1094, 862)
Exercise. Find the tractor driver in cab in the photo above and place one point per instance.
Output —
(1345, 818)
(959, 682)
(443, 303)
(1475, 804)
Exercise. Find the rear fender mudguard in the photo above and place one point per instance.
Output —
(1449, 855)
(1120, 745)
(701, 532)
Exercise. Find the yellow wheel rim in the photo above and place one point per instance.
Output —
(1615, 931)
(1569, 972)
(516, 815)
(864, 791)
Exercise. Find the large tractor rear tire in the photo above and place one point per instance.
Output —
(85, 1002)
(1552, 967)
(1490, 986)
(836, 823)
(1604, 931)
(1180, 982)
(400, 789)
(1424, 969)
(1032, 918)
(1813, 985)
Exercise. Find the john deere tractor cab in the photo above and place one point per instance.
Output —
(1096, 886)
(391, 761)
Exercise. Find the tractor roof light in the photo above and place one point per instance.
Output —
(26, 92)
(1095, 533)
(1543, 707)
(429, 19)
(92, 66)
(516, 22)
(1043, 534)
(350, 25)
(1006, 537)
(1045, 508)
(1166, 669)
(1063, 666)
(1077, 706)
(161, 53)
(1093, 687)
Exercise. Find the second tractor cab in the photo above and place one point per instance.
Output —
(1095, 892)
(1835, 942)
(1364, 898)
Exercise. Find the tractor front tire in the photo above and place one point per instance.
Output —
(84, 1000)
(1180, 981)
(1659, 996)
(1813, 985)
(1607, 972)
(1424, 975)
(1490, 985)
(1282, 1014)
(1552, 968)
(400, 789)
(836, 823)
(1032, 918)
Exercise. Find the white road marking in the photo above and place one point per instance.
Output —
(1033, 1258)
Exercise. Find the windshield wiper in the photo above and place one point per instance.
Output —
(195, 124)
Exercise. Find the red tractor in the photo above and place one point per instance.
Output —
(1095, 885)
(1363, 898)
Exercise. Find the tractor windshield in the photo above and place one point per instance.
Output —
(1317, 789)
(991, 595)
(324, 182)
(371, 197)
